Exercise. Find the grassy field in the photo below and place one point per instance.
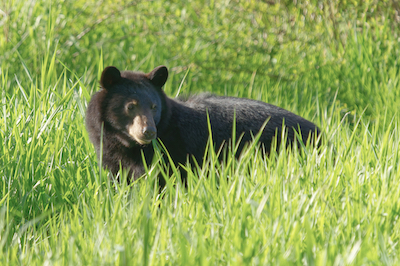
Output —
(336, 64)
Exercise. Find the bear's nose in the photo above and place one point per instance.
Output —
(149, 132)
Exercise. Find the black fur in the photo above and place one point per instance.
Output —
(181, 124)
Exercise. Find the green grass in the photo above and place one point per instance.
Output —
(337, 65)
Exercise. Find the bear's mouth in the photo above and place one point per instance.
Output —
(143, 141)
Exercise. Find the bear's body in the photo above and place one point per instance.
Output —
(135, 110)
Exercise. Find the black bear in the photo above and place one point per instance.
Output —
(131, 110)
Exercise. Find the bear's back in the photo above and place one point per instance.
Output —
(249, 116)
(247, 111)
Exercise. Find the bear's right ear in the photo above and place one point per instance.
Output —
(110, 76)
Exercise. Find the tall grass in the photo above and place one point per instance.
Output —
(336, 65)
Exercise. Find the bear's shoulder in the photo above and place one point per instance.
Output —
(197, 97)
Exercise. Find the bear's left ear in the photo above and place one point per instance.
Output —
(110, 76)
(158, 76)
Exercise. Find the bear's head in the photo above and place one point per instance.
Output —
(133, 104)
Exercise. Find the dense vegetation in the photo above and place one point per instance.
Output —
(336, 64)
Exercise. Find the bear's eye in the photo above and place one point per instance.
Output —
(130, 106)
(153, 106)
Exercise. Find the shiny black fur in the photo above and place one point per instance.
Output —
(181, 124)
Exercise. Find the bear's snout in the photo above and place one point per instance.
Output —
(149, 132)
(143, 129)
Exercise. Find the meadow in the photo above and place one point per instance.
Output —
(336, 64)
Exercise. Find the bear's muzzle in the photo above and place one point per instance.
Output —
(143, 129)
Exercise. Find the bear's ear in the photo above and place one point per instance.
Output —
(110, 76)
(158, 76)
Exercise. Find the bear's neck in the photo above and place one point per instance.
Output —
(167, 106)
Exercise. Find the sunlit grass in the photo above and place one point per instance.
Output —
(335, 205)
